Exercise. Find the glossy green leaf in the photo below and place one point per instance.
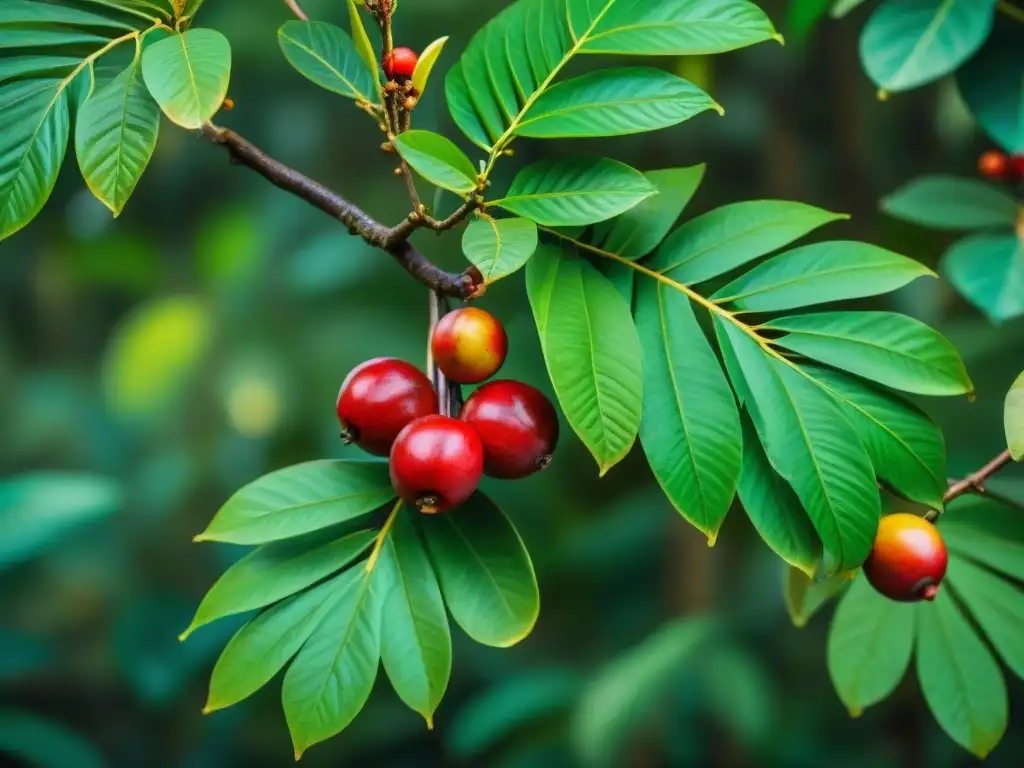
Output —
(499, 247)
(889, 348)
(32, 146)
(115, 135)
(909, 43)
(333, 674)
(774, 509)
(842, 7)
(40, 509)
(361, 40)
(416, 645)
(813, 446)
(298, 499)
(641, 229)
(869, 646)
(690, 428)
(14, 12)
(17, 67)
(1013, 419)
(261, 648)
(948, 202)
(733, 235)
(326, 55)
(425, 65)
(987, 533)
(820, 273)
(992, 85)
(188, 75)
(26, 37)
(275, 571)
(485, 572)
(438, 160)
(988, 269)
(806, 596)
(906, 447)
(591, 349)
(574, 191)
(614, 102)
(461, 107)
(996, 605)
(960, 679)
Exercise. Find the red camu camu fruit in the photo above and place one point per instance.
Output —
(994, 165)
(517, 425)
(469, 345)
(378, 399)
(400, 63)
(908, 559)
(436, 463)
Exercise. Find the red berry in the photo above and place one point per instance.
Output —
(993, 165)
(436, 463)
(469, 345)
(517, 425)
(1017, 167)
(379, 398)
(908, 560)
(400, 63)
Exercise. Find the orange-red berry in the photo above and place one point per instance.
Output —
(908, 560)
(400, 63)
(469, 345)
(994, 165)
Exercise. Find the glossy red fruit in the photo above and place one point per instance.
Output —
(436, 463)
(469, 345)
(994, 165)
(908, 560)
(400, 63)
(518, 427)
(379, 398)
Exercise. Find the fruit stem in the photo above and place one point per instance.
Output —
(378, 544)
(449, 394)
(973, 483)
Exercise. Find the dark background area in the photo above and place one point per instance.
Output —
(288, 303)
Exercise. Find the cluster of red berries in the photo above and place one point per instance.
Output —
(1000, 166)
(506, 429)
(908, 559)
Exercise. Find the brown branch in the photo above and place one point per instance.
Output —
(297, 9)
(974, 482)
(393, 240)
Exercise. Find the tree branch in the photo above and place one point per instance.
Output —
(393, 240)
(974, 482)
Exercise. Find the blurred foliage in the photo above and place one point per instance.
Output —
(151, 366)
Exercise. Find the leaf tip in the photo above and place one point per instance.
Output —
(298, 754)
(882, 94)
(185, 635)
(712, 539)
(430, 722)
(779, 39)
(855, 711)
(199, 538)
(718, 108)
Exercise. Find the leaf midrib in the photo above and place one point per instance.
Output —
(330, 67)
(925, 39)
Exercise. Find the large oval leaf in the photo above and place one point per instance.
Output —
(948, 202)
(485, 572)
(575, 191)
(591, 349)
(188, 75)
(992, 84)
(326, 55)
(299, 499)
(996, 604)
(438, 160)
(989, 271)
(499, 247)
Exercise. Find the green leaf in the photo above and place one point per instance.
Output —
(573, 191)
(591, 349)
(614, 102)
(416, 645)
(992, 85)
(326, 55)
(115, 136)
(275, 571)
(499, 247)
(462, 109)
(188, 75)
(1013, 419)
(733, 235)
(426, 63)
(261, 648)
(32, 146)
(43, 508)
(948, 202)
(906, 447)
(20, 37)
(889, 348)
(813, 446)
(438, 160)
(987, 533)
(15, 12)
(869, 646)
(960, 679)
(842, 7)
(17, 67)
(690, 428)
(299, 499)
(153, 353)
(820, 273)
(774, 509)
(805, 597)
(361, 40)
(485, 572)
(639, 230)
(332, 676)
(909, 43)
(45, 743)
(989, 271)
(997, 607)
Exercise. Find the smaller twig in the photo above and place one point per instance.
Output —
(974, 482)
(457, 217)
(297, 9)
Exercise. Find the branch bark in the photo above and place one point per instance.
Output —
(393, 240)
(974, 482)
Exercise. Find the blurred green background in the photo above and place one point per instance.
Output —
(151, 366)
